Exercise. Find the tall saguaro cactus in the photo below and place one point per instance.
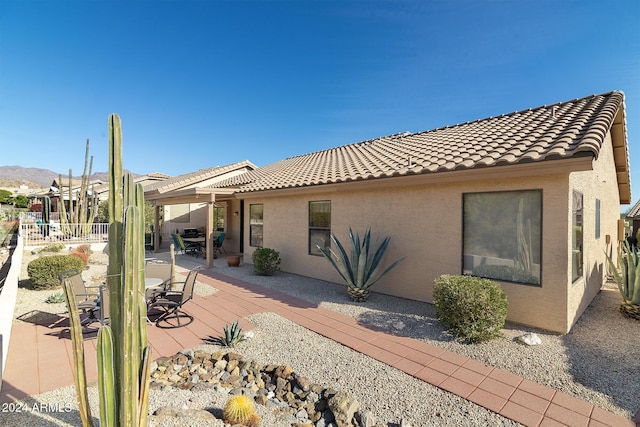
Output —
(124, 357)
(82, 205)
(46, 215)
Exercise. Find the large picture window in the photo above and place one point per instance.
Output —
(502, 235)
(576, 236)
(256, 223)
(319, 226)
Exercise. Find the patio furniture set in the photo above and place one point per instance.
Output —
(196, 245)
(165, 298)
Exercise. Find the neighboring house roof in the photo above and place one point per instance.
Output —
(154, 175)
(634, 212)
(152, 178)
(559, 131)
(193, 178)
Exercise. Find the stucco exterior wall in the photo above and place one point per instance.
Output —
(597, 184)
(425, 225)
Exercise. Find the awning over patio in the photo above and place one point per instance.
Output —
(189, 195)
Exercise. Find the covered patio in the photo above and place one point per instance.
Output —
(212, 197)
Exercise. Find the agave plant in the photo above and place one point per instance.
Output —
(232, 335)
(627, 277)
(360, 272)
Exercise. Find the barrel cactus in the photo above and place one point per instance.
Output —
(239, 410)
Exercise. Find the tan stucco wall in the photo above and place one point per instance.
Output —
(425, 225)
(597, 184)
(424, 221)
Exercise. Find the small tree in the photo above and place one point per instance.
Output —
(20, 201)
(5, 196)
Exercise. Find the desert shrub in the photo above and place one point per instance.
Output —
(471, 308)
(505, 272)
(83, 256)
(53, 247)
(84, 249)
(43, 272)
(56, 298)
(266, 261)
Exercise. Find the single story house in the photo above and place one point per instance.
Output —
(189, 201)
(530, 199)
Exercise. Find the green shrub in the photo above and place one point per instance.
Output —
(54, 247)
(471, 308)
(43, 272)
(56, 298)
(266, 261)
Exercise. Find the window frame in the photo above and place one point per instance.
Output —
(315, 228)
(597, 214)
(260, 224)
(577, 220)
(540, 237)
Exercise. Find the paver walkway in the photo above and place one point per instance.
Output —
(46, 349)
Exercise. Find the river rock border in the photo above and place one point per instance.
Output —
(295, 399)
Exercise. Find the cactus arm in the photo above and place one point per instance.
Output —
(143, 401)
(115, 233)
(130, 335)
(106, 377)
(79, 372)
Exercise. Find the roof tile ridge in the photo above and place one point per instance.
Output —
(518, 112)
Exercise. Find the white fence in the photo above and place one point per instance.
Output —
(45, 234)
(7, 304)
(35, 216)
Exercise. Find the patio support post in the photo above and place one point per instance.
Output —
(209, 233)
(156, 229)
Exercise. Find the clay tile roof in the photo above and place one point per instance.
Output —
(549, 132)
(191, 178)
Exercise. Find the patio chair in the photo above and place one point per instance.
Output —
(87, 297)
(186, 247)
(170, 304)
(217, 244)
(160, 271)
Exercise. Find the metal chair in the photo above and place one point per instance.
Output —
(170, 304)
(217, 244)
(186, 247)
(160, 271)
(87, 297)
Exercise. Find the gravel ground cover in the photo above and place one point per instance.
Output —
(596, 362)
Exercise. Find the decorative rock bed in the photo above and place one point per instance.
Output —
(297, 401)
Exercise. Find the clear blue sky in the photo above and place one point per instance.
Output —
(204, 83)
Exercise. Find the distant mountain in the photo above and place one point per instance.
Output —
(41, 177)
